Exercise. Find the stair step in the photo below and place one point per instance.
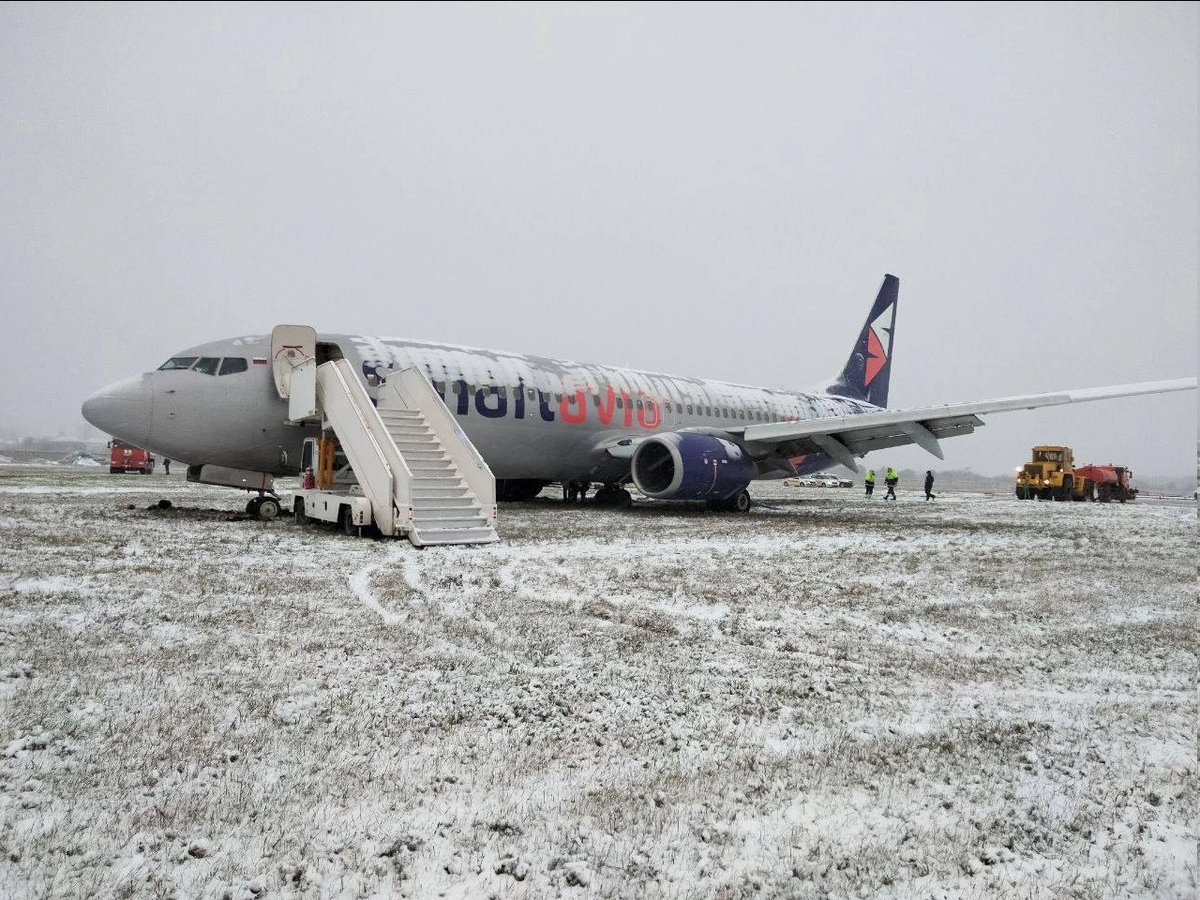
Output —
(443, 514)
(405, 433)
(448, 526)
(456, 503)
(455, 536)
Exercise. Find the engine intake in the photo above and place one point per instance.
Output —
(682, 465)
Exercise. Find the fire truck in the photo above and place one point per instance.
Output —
(123, 457)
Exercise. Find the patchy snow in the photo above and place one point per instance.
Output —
(971, 698)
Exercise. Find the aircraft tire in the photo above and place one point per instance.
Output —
(741, 502)
(252, 505)
(268, 508)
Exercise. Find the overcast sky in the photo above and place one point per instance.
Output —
(710, 189)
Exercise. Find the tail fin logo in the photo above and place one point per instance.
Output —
(876, 354)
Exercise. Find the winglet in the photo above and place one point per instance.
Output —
(869, 368)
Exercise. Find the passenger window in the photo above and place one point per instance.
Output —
(207, 365)
(231, 365)
(177, 362)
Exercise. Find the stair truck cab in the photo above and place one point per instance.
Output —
(329, 492)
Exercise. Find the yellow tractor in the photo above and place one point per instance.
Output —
(1050, 475)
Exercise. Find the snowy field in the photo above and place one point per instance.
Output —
(970, 698)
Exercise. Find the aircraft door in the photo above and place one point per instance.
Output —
(290, 346)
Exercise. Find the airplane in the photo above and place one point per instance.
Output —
(537, 420)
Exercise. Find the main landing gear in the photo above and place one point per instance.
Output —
(613, 495)
(263, 507)
(739, 502)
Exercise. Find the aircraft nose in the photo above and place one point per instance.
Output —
(122, 410)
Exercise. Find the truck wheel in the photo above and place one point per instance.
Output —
(268, 508)
(1067, 489)
(301, 515)
(346, 522)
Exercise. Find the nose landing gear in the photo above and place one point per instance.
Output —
(263, 507)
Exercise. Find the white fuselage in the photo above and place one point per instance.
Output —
(531, 417)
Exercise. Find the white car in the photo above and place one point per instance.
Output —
(821, 479)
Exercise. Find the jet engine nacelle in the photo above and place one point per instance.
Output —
(682, 465)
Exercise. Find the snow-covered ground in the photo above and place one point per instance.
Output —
(974, 697)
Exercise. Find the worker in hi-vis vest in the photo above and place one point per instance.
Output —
(891, 480)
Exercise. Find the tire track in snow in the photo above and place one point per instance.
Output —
(360, 586)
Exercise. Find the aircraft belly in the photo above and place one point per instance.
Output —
(527, 449)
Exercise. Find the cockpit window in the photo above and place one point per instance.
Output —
(177, 362)
(232, 364)
(207, 365)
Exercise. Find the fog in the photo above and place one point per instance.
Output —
(712, 190)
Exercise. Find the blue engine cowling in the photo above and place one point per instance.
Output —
(683, 465)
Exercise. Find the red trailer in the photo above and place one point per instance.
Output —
(1106, 483)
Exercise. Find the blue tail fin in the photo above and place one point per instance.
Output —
(869, 368)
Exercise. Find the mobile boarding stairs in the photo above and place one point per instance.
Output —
(422, 476)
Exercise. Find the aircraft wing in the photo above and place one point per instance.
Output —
(843, 438)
